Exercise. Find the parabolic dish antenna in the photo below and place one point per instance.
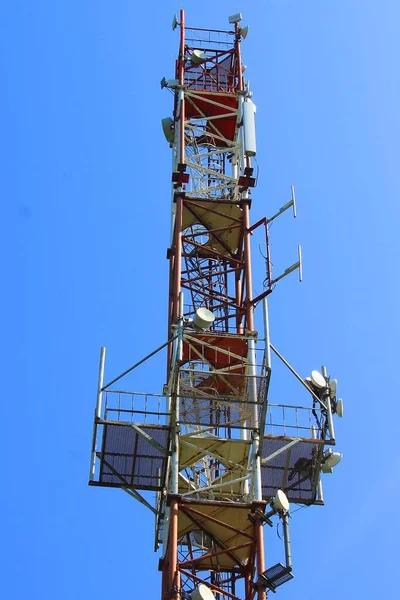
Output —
(203, 318)
(333, 386)
(317, 379)
(244, 31)
(332, 458)
(280, 501)
(198, 57)
(339, 407)
(202, 593)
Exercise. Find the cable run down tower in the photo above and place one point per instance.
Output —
(222, 459)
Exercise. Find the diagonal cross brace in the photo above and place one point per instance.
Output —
(128, 488)
(284, 448)
(148, 437)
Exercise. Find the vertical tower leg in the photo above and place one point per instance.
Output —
(248, 587)
(173, 583)
(262, 595)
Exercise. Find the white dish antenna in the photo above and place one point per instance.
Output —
(203, 318)
(317, 379)
(330, 460)
(244, 31)
(198, 57)
(202, 593)
(168, 129)
(333, 386)
(339, 408)
(281, 502)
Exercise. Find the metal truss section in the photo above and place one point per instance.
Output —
(216, 546)
(208, 165)
(213, 468)
(213, 268)
(219, 73)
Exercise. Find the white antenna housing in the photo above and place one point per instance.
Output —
(236, 18)
(244, 31)
(281, 502)
(330, 460)
(249, 128)
(202, 593)
(339, 408)
(168, 129)
(317, 379)
(198, 57)
(203, 318)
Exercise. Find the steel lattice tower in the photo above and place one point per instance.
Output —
(222, 459)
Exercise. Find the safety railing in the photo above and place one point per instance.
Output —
(293, 421)
(136, 407)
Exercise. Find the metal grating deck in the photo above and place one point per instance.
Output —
(129, 459)
(294, 471)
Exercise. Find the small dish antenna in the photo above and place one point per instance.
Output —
(174, 22)
(168, 129)
(203, 318)
(333, 386)
(329, 460)
(280, 502)
(244, 31)
(198, 57)
(339, 407)
(317, 379)
(202, 593)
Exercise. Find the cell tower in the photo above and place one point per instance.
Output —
(223, 460)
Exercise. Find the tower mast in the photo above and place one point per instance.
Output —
(222, 459)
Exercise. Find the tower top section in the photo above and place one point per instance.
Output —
(209, 59)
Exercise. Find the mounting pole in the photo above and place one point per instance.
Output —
(327, 398)
(97, 413)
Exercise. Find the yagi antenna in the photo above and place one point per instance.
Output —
(293, 201)
(284, 208)
(297, 265)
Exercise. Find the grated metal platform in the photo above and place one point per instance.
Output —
(128, 458)
(294, 471)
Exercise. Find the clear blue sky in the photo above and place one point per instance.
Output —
(85, 178)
